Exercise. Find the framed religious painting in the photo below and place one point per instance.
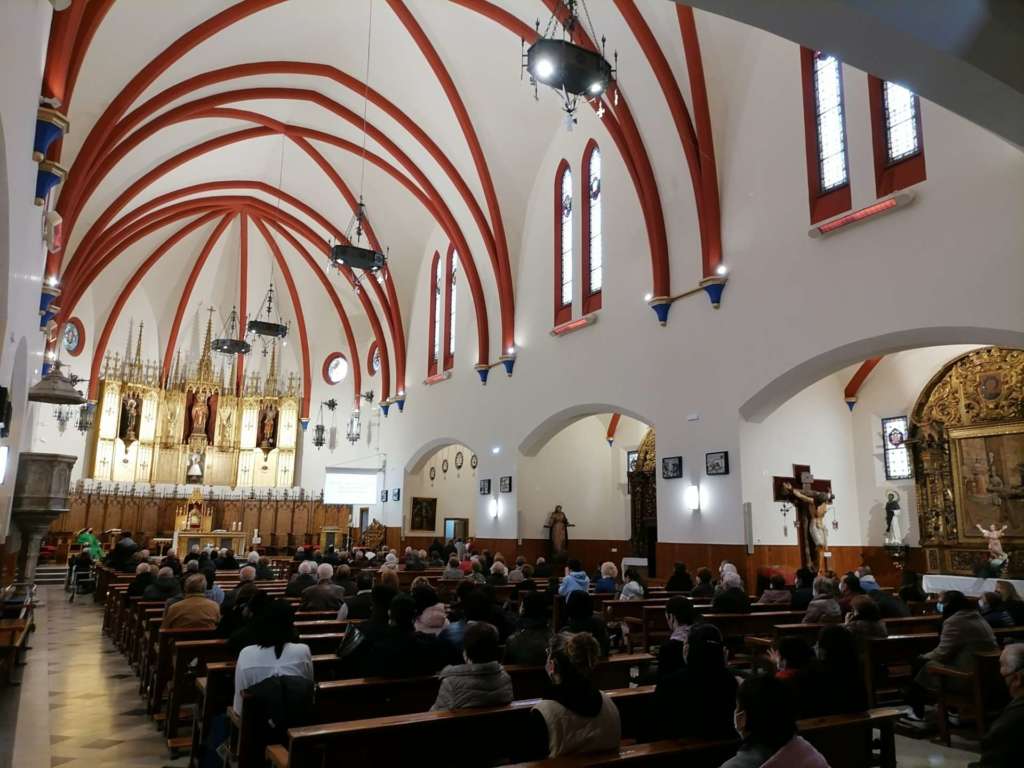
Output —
(988, 478)
(396, 494)
(485, 487)
(384, 496)
(672, 467)
(716, 463)
(505, 484)
(424, 514)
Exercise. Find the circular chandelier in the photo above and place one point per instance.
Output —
(229, 343)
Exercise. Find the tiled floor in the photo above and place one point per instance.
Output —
(78, 705)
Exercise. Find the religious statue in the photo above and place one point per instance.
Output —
(818, 502)
(995, 545)
(558, 532)
(893, 531)
(199, 414)
(131, 407)
(195, 471)
(193, 520)
(267, 424)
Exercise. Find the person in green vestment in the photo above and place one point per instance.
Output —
(89, 541)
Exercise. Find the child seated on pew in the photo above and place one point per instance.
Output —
(481, 681)
(574, 717)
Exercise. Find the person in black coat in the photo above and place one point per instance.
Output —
(304, 578)
(360, 605)
(703, 587)
(733, 599)
(888, 606)
(681, 617)
(698, 700)
(171, 561)
(401, 651)
(803, 591)
(579, 614)
(680, 580)
(227, 562)
(143, 578)
(163, 587)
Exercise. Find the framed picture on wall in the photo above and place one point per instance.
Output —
(716, 463)
(396, 494)
(384, 496)
(672, 467)
(424, 514)
(485, 487)
(505, 484)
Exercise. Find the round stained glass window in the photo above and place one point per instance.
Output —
(73, 336)
(336, 369)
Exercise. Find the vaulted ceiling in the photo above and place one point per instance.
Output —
(216, 145)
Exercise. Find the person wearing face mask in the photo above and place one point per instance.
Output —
(963, 632)
(1002, 747)
(574, 717)
(994, 611)
(765, 718)
(697, 700)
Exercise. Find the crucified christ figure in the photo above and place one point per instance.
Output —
(818, 505)
(995, 546)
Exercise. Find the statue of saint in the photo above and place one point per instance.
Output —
(131, 406)
(199, 414)
(558, 531)
(817, 502)
(269, 417)
(893, 531)
(995, 545)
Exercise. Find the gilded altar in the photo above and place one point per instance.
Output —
(198, 425)
(967, 438)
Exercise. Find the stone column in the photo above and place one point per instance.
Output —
(40, 496)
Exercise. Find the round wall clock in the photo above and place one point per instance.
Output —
(473, 461)
(458, 460)
(444, 466)
(433, 472)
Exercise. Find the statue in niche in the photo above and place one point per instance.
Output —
(893, 527)
(195, 469)
(558, 532)
(200, 412)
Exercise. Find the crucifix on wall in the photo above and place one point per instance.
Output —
(810, 497)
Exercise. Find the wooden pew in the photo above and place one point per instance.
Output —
(189, 660)
(980, 694)
(14, 635)
(844, 740)
(886, 663)
(495, 732)
(362, 698)
(161, 665)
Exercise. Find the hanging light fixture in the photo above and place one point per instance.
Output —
(352, 253)
(558, 62)
(353, 430)
(320, 430)
(268, 322)
(85, 417)
(62, 413)
(230, 341)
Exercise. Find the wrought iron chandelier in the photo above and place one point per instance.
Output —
(557, 61)
(267, 323)
(320, 429)
(85, 417)
(229, 342)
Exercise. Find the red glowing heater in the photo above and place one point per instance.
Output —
(574, 325)
(882, 206)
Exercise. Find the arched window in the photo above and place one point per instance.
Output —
(828, 179)
(373, 359)
(434, 332)
(896, 138)
(563, 244)
(451, 270)
(593, 261)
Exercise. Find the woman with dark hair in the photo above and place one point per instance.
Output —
(574, 717)
(579, 614)
(696, 700)
(704, 587)
(766, 720)
(963, 633)
(993, 610)
(798, 667)
(680, 615)
(841, 677)
(529, 643)
(634, 586)
(680, 580)
(274, 652)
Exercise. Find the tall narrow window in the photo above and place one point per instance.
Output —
(451, 271)
(828, 180)
(563, 244)
(896, 137)
(593, 254)
(897, 457)
(434, 333)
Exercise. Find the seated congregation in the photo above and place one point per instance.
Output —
(520, 662)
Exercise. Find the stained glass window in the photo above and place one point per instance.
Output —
(900, 110)
(451, 303)
(375, 361)
(438, 284)
(896, 453)
(337, 370)
(594, 192)
(828, 97)
(566, 238)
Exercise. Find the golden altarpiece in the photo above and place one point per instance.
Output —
(196, 427)
(967, 438)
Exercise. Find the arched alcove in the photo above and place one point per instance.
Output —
(539, 436)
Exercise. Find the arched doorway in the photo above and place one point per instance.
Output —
(441, 493)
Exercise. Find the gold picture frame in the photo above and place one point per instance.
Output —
(988, 477)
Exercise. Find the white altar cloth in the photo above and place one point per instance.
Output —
(969, 585)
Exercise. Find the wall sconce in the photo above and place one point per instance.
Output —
(691, 498)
